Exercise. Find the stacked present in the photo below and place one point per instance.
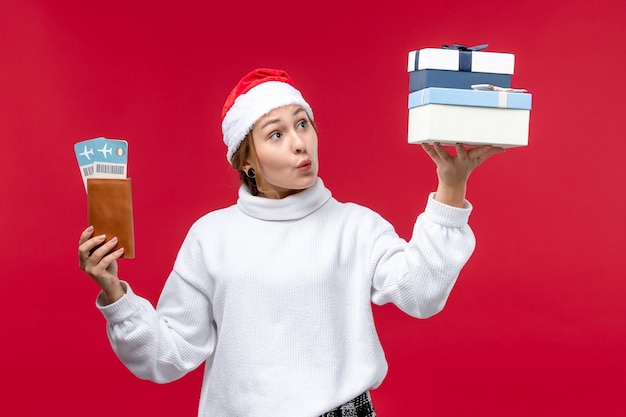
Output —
(460, 94)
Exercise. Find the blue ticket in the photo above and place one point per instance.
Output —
(102, 158)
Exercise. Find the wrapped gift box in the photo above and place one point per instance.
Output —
(421, 79)
(461, 60)
(470, 125)
(476, 98)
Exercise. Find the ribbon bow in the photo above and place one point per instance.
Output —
(465, 54)
(460, 47)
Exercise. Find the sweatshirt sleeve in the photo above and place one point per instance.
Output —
(165, 343)
(418, 276)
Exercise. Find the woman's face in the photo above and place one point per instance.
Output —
(286, 147)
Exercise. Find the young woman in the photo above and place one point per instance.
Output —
(274, 292)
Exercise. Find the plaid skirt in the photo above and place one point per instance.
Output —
(360, 406)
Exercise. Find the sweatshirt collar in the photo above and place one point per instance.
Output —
(292, 207)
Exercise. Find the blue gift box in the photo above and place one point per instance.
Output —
(421, 79)
(474, 98)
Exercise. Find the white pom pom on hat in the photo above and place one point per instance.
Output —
(257, 93)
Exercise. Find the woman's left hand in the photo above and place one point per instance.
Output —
(453, 171)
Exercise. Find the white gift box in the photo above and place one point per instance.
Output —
(455, 60)
(451, 124)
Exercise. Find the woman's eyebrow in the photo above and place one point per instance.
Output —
(277, 120)
(269, 122)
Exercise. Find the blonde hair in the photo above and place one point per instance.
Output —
(247, 151)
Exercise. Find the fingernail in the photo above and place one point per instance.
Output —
(114, 239)
(101, 237)
(90, 229)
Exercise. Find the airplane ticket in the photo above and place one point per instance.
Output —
(102, 158)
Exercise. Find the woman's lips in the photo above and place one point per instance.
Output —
(304, 165)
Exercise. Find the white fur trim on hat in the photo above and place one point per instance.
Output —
(248, 108)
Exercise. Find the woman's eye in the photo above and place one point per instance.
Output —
(275, 136)
(302, 124)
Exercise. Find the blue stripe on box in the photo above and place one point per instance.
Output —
(474, 98)
(465, 60)
(421, 79)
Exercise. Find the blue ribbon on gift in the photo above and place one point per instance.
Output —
(465, 54)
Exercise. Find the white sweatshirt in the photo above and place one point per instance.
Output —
(275, 296)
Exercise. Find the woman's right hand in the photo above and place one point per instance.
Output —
(101, 265)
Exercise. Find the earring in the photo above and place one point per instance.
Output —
(251, 174)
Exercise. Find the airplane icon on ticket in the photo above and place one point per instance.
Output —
(86, 152)
(104, 151)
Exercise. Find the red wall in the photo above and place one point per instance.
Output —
(536, 324)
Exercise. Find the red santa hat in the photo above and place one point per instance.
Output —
(256, 94)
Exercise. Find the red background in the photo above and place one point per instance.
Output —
(536, 324)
